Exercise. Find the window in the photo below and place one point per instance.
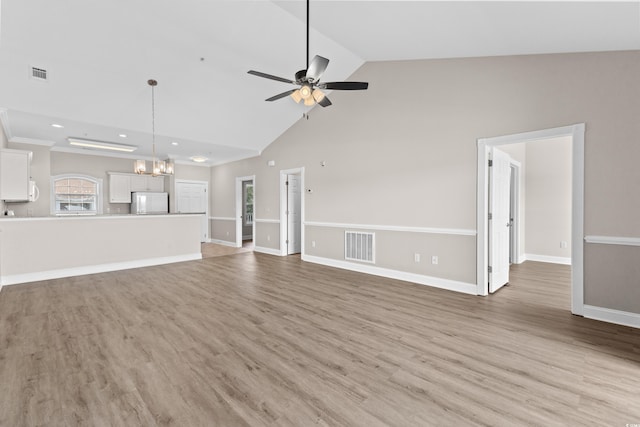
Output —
(248, 202)
(76, 195)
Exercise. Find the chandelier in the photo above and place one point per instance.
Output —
(158, 167)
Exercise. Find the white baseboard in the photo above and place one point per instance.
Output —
(223, 242)
(436, 282)
(618, 317)
(93, 269)
(549, 259)
(269, 251)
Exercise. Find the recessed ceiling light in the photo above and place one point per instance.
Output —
(122, 135)
(199, 159)
(55, 125)
(174, 143)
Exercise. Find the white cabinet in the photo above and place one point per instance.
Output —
(119, 188)
(155, 184)
(121, 185)
(147, 183)
(15, 175)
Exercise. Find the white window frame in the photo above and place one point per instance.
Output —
(99, 195)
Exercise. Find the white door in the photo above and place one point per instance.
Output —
(192, 198)
(294, 224)
(499, 223)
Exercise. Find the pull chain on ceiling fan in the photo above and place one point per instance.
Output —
(308, 80)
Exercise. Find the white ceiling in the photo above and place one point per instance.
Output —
(100, 54)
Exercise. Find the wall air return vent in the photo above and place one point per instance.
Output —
(38, 73)
(359, 246)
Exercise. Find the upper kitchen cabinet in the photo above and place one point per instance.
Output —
(119, 188)
(15, 174)
(147, 183)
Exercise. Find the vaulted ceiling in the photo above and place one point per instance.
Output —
(100, 54)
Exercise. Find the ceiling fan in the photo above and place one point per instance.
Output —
(310, 88)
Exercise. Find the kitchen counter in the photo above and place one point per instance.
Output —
(41, 248)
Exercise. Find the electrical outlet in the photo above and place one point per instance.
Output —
(268, 238)
(416, 257)
(434, 259)
(227, 233)
(563, 244)
(313, 243)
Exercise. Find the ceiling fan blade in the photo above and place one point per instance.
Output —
(281, 95)
(271, 77)
(317, 67)
(344, 85)
(324, 102)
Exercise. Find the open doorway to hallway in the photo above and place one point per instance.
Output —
(490, 152)
(245, 202)
(537, 204)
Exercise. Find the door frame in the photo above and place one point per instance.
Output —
(206, 191)
(284, 224)
(239, 213)
(576, 131)
(514, 250)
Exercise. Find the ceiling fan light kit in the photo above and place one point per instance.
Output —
(309, 81)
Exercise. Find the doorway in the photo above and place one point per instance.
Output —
(245, 203)
(485, 147)
(192, 197)
(291, 211)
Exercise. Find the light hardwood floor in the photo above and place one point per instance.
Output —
(253, 339)
(210, 250)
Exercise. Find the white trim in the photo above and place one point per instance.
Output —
(267, 221)
(269, 251)
(613, 240)
(93, 269)
(436, 282)
(183, 181)
(577, 205)
(222, 218)
(515, 234)
(618, 317)
(223, 242)
(31, 141)
(547, 258)
(283, 208)
(429, 230)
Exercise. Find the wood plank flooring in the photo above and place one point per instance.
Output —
(210, 250)
(258, 340)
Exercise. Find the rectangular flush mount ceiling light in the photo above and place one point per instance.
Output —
(101, 145)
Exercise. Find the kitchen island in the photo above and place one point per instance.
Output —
(33, 249)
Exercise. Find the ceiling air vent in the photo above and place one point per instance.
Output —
(38, 73)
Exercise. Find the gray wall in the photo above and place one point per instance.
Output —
(404, 154)
(545, 196)
(548, 198)
(97, 167)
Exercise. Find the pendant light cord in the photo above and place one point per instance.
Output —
(153, 83)
(307, 34)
